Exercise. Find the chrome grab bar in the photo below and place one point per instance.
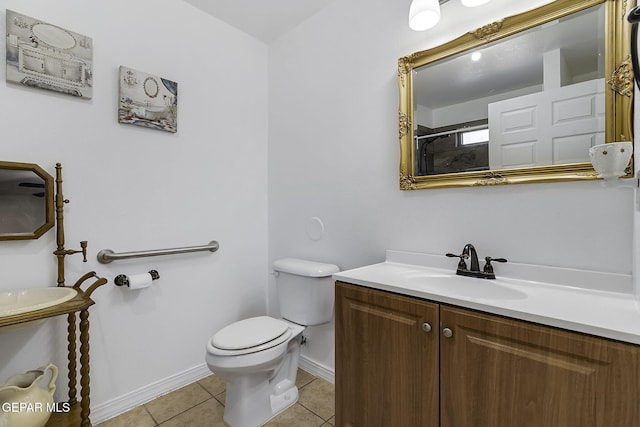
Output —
(105, 256)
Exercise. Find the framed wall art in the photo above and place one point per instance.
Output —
(49, 57)
(147, 100)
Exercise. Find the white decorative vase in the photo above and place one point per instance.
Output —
(610, 160)
(23, 403)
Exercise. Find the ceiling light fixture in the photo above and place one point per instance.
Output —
(424, 14)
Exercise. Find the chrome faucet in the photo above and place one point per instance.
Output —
(469, 251)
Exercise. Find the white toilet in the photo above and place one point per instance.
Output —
(258, 357)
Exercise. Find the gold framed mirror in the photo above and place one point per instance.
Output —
(550, 83)
(26, 201)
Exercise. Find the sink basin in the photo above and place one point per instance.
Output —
(466, 287)
(20, 301)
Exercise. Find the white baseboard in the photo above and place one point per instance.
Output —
(121, 404)
(317, 369)
(128, 401)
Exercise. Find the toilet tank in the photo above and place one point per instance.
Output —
(305, 290)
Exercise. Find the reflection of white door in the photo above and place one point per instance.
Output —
(577, 121)
(556, 126)
(515, 132)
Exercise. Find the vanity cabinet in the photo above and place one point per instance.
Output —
(386, 359)
(473, 369)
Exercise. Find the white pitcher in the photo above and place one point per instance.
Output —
(23, 403)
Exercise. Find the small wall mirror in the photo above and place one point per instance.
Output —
(518, 100)
(26, 201)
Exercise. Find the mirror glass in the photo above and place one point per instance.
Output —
(519, 100)
(26, 201)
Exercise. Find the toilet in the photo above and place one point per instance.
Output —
(258, 357)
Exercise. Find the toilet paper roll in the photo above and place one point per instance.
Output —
(139, 281)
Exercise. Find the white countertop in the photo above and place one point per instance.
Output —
(573, 301)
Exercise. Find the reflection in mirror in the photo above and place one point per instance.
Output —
(26, 201)
(493, 106)
(519, 100)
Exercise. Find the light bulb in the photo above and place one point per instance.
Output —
(424, 14)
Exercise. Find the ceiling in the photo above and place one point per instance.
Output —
(262, 19)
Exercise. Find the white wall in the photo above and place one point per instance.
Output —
(329, 95)
(333, 153)
(133, 188)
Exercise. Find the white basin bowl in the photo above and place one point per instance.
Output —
(20, 301)
(466, 287)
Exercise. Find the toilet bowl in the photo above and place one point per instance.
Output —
(258, 357)
(260, 378)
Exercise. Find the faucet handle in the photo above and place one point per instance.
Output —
(462, 265)
(488, 268)
(461, 256)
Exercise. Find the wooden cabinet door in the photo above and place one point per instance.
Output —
(386, 363)
(498, 372)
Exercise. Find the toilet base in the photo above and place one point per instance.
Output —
(284, 400)
(251, 409)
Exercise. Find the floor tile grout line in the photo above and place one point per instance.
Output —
(205, 389)
(155, 422)
(220, 400)
(305, 385)
(186, 410)
(314, 413)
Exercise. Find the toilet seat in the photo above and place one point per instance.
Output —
(249, 336)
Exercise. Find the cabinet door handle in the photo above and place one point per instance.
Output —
(447, 332)
(426, 327)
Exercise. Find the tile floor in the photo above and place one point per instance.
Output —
(201, 404)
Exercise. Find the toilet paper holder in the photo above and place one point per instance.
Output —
(123, 279)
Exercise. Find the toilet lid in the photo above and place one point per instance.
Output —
(249, 333)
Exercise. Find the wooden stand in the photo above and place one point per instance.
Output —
(78, 414)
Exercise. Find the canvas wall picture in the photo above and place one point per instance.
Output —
(47, 56)
(148, 100)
